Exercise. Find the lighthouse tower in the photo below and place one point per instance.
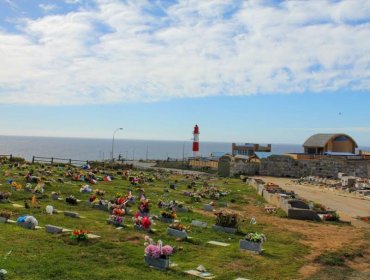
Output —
(196, 141)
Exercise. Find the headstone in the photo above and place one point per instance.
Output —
(71, 214)
(208, 207)
(53, 229)
(199, 224)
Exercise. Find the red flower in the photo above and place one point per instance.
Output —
(145, 222)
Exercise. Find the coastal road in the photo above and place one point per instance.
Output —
(151, 165)
(347, 206)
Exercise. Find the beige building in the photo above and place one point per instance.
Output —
(249, 149)
(203, 163)
(329, 143)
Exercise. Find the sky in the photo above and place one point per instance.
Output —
(244, 71)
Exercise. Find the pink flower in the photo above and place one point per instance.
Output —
(153, 251)
(167, 250)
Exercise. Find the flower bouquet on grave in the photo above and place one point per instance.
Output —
(86, 189)
(141, 223)
(194, 197)
(253, 242)
(157, 255)
(332, 217)
(3, 272)
(4, 195)
(144, 207)
(118, 211)
(27, 221)
(125, 200)
(178, 230)
(116, 220)
(79, 235)
(14, 185)
(255, 237)
(71, 200)
(39, 189)
(93, 198)
(28, 187)
(168, 216)
(55, 195)
(226, 222)
(5, 216)
(99, 192)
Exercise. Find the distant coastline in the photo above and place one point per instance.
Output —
(99, 149)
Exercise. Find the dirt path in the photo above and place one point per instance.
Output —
(348, 207)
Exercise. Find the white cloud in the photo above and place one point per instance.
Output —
(119, 52)
(47, 7)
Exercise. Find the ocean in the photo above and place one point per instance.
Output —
(100, 149)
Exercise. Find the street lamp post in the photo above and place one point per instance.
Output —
(114, 133)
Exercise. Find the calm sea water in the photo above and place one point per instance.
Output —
(99, 149)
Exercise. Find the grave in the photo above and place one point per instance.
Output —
(218, 243)
(53, 229)
(199, 224)
(71, 214)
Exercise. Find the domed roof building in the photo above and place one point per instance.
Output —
(330, 143)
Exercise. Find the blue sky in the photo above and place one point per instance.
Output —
(245, 71)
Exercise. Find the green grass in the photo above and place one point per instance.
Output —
(338, 258)
(119, 254)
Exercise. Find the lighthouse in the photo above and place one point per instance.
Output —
(196, 141)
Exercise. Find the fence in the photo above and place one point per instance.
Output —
(54, 160)
(6, 156)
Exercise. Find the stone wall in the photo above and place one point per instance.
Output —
(229, 167)
(284, 166)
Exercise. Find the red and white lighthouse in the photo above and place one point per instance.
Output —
(196, 141)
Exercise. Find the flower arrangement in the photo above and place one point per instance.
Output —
(334, 217)
(144, 206)
(99, 192)
(116, 220)
(2, 273)
(29, 221)
(157, 250)
(226, 219)
(142, 222)
(5, 214)
(14, 185)
(171, 205)
(71, 200)
(39, 188)
(255, 237)
(168, 215)
(79, 234)
(92, 198)
(124, 200)
(179, 226)
(118, 212)
(86, 189)
(4, 195)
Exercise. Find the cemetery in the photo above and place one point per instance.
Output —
(68, 222)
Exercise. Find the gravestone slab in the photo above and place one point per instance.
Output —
(53, 229)
(71, 214)
(208, 207)
(218, 243)
(224, 229)
(199, 224)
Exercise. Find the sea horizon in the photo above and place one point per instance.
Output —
(81, 148)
